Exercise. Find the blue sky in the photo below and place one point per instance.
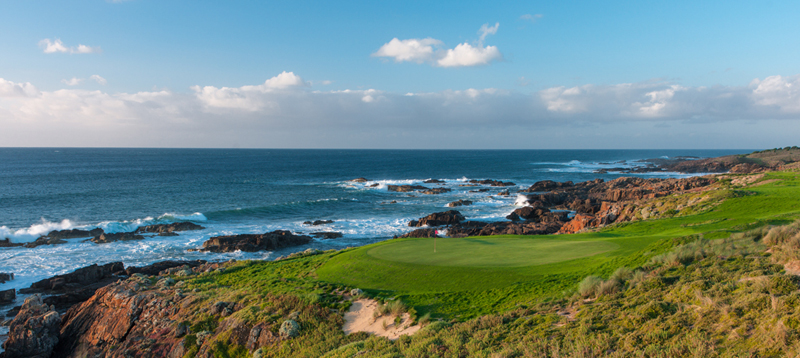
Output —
(662, 71)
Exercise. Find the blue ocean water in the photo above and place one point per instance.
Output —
(253, 191)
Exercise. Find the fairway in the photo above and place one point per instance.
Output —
(488, 252)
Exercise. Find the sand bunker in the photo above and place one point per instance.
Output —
(360, 318)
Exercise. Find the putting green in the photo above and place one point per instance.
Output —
(488, 252)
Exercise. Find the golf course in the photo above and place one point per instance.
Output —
(468, 277)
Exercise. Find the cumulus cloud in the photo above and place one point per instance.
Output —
(432, 51)
(248, 98)
(284, 111)
(98, 79)
(413, 50)
(74, 81)
(56, 46)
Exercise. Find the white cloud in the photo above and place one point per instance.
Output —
(413, 50)
(248, 98)
(56, 46)
(467, 55)
(11, 89)
(531, 17)
(72, 82)
(98, 79)
(284, 112)
(486, 30)
(429, 50)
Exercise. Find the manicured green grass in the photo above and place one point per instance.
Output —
(473, 276)
(488, 252)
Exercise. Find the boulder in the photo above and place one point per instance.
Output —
(419, 233)
(4, 276)
(167, 229)
(437, 219)
(460, 202)
(359, 180)
(270, 241)
(34, 332)
(8, 296)
(530, 213)
(289, 329)
(405, 188)
(120, 236)
(434, 181)
(435, 191)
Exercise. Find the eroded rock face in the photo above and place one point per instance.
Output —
(530, 213)
(546, 185)
(77, 286)
(275, 240)
(168, 228)
(34, 331)
(438, 219)
(120, 236)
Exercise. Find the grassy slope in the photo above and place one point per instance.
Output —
(466, 292)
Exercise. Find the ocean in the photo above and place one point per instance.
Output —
(232, 191)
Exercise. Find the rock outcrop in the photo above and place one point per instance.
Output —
(5, 277)
(74, 233)
(420, 233)
(438, 219)
(8, 296)
(6, 242)
(275, 240)
(359, 180)
(168, 229)
(405, 188)
(106, 238)
(434, 181)
(34, 331)
(491, 182)
(327, 235)
(459, 202)
(77, 286)
(436, 191)
(162, 266)
(318, 222)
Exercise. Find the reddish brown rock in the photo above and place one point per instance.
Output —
(34, 331)
(420, 233)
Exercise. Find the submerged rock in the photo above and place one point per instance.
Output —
(318, 222)
(168, 229)
(405, 188)
(327, 235)
(120, 236)
(275, 240)
(8, 296)
(460, 202)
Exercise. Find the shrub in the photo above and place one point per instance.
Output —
(608, 287)
(396, 307)
(589, 285)
(425, 319)
(622, 274)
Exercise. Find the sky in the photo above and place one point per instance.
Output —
(402, 74)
